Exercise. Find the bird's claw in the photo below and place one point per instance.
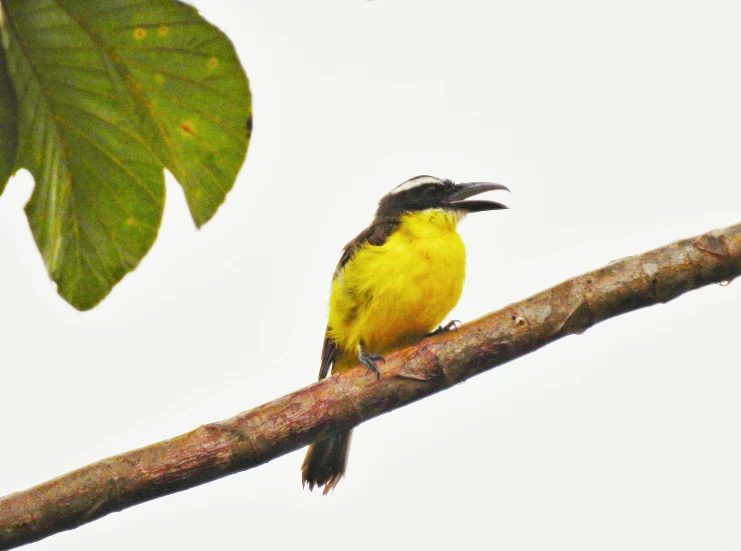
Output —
(452, 324)
(369, 361)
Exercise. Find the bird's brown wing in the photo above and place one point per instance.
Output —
(328, 353)
(375, 234)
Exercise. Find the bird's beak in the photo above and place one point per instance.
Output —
(463, 191)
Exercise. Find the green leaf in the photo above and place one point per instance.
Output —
(8, 124)
(110, 93)
(186, 83)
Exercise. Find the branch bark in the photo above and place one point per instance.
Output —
(346, 400)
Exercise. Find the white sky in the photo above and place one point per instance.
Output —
(617, 127)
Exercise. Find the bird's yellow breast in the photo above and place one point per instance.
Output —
(393, 294)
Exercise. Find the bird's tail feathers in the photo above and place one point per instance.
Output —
(326, 461)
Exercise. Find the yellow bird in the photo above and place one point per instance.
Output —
(394, 284)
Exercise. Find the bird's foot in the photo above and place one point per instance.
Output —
(452, 324)
(369, 361)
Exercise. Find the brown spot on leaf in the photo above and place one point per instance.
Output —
(213, 63)
(248, 125)
(163, 30)
(187, 128)
(139, 33)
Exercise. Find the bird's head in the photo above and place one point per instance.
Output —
(427, 192)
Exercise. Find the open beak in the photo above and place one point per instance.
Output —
(456, 200)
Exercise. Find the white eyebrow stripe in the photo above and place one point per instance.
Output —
(416, 181)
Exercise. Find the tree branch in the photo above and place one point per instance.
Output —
(346, 400)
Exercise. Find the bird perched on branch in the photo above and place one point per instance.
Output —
(394, 284)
